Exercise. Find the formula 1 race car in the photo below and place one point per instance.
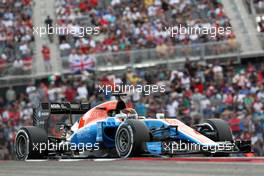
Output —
(113, 130)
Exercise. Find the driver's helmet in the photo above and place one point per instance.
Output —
(130, 112)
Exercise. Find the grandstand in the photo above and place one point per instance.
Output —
(256, 9)
(205, 76)
(16, 40)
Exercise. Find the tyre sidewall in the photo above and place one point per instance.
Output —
(125, 127)
(34, 137)
(24, 134)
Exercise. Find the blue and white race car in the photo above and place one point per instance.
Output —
(111, 129)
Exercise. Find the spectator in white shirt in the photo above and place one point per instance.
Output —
(82, 92)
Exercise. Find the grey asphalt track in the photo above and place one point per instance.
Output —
(129, 168)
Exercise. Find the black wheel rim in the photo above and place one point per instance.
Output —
(123, 140)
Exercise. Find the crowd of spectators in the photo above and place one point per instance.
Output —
(255, 6)
(131, 24)
(259, 6)
(260, 23)
(200, 91)
(16, 37)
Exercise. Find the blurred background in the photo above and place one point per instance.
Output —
(205, 76)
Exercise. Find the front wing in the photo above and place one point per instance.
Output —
(183, 147)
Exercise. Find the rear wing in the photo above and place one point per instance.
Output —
(43, 111)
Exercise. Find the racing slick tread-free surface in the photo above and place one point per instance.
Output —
(139, 134)
(223, 130)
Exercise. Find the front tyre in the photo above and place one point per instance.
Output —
(223, 133)
(31, 143)
(130, 138)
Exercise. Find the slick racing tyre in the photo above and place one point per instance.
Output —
(130, 138)
(31, 143)
(223, 133)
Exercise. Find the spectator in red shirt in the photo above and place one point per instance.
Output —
(70, 94)
(199, 86)
(234, 123)
(2, 65)
(94, 3)
(82, 6)
(26, 2)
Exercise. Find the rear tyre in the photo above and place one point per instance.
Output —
(130, 138)
(31, 143)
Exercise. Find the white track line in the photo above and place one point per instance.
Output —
(105, 159)
(70, 160)
(36, 160)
